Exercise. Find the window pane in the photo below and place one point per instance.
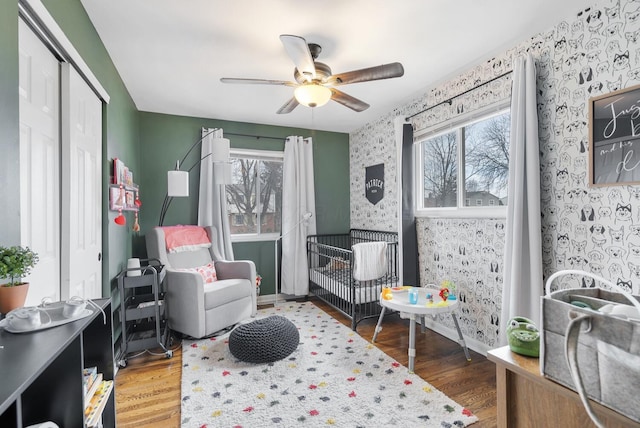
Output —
(440, 170)
(270, 196)
(248, 213)
(486, 163)
(241, 196)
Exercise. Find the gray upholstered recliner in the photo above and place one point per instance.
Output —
(197, 308)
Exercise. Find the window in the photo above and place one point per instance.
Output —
(238, 219)
(468, 163)
(440, 170)
(254, 198)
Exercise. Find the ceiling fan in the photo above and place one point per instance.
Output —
(315, 85)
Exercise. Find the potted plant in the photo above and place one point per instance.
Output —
(15, 263)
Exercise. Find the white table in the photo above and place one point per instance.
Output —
(400, 303)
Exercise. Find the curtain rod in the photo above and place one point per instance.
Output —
(255, 136)
(459, 95)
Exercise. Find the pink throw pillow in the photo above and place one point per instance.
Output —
(207, 272)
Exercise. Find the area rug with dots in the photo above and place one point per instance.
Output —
(333, 378)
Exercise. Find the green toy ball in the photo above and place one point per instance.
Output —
(523, 337)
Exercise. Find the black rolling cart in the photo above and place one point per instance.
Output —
(142, 312)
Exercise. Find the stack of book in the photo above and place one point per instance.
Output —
(96, 395)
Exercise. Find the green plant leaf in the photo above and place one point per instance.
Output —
(16, 262)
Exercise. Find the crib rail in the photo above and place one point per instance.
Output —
(331, 272)
(362, 235)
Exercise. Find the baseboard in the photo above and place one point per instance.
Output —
(452, 334)
(270, 299)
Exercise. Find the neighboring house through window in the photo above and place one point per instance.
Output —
(238, 219)
(464, 162)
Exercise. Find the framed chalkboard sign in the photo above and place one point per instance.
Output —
(614, 138)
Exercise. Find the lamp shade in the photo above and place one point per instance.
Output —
(177, 183)
(312, 94)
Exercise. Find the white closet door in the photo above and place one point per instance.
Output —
(81, 178)
(39, 163)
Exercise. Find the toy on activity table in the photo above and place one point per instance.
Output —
(432, 304)
(386, 293)
(413, 295)
(429, 299)
(447, 290)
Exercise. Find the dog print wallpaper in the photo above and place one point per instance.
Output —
(593, 52)
(376, 146)
(469, 253)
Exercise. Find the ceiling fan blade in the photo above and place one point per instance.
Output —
(288, 106)
(348, 100)
(385, 71)
(298, 51)
(257, 81)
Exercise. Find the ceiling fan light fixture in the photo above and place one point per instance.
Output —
(312, 94)
(314, 82)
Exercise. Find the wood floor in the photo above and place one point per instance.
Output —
(148, 389)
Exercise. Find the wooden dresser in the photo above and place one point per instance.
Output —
(525, 398)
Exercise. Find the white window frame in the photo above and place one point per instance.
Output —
(457, 123)
(266, 155)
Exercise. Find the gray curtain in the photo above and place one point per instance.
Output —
(523, 284)
(212, 204)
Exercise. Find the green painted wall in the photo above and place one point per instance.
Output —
(165, 139)
(9, 125)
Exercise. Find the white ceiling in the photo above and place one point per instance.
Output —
(171, 54)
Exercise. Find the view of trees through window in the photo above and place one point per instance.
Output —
(254, 199)
(440, 170)
(485, 164)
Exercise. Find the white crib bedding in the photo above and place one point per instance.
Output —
(335, 281)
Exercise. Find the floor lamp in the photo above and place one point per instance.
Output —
(178, 180)
(304, 218)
